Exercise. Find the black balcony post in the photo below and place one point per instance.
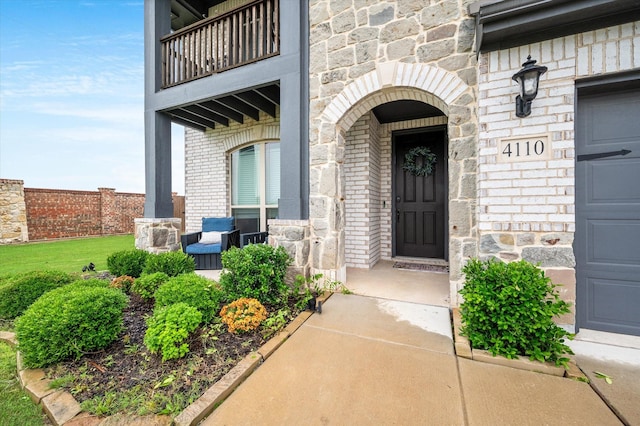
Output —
(157, 126)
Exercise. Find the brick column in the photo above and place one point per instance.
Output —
(108, 211)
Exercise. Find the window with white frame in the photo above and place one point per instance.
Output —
(255, 185)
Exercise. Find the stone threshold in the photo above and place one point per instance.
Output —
(63, 409)
(463, 349)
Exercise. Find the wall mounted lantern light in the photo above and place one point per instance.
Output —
(528, 78)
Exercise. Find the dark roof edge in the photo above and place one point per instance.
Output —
(511, 23)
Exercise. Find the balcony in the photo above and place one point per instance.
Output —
(244, 35)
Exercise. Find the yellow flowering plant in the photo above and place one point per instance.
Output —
(244, 314)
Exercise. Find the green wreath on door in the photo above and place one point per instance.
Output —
(428, 161)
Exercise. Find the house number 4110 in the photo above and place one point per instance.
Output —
(530, 149)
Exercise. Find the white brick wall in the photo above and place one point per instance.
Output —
(207, 166)
(539, 196)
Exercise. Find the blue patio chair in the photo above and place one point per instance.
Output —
(218, 234)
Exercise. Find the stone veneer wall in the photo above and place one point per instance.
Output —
(158, 235)
(293, 235)
(13, 212)
(526, 209)
(364, 53)
(207, 165)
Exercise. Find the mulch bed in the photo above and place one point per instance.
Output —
(166, 387)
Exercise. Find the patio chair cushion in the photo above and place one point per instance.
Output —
(199, 248)
(220, 224)
(211, 237)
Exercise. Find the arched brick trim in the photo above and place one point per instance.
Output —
(254, 134)
(438, 87)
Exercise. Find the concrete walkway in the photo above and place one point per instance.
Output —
(368, 360)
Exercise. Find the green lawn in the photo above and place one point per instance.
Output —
(63, 255)
(16, 407)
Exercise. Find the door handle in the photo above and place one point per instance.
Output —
(586, 157)
(398, 215)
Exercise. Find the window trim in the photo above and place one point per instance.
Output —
(262, 182)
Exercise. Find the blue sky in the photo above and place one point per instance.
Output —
(72, 95)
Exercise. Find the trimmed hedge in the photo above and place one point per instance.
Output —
(127, 262)
(509, 308)
(17, 293)
(256, 271)
(194, 290)
(172, 263)
(68, 322)
(148, 284)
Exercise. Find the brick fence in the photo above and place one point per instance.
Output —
(30, 214)
(53, 213)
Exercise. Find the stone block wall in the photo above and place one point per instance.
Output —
(13, 212)
(526, 208)
(158, 235)
(294, 236)
(366, 53)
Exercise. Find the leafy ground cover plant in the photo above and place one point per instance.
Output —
(508, 309)
(256, 271)
(127, 262)
(194, 290)
(147, 284)
(243, 315)
(68, 322)
(172, 263)
(18, 292)
(169, 328)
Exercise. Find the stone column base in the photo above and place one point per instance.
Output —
(294, 236)
(158, 235)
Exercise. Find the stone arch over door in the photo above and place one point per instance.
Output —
(389, 82)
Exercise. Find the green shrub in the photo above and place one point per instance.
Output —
(20, 291)
(168, 329)
(147, 284)
(68, 322)
(127, 262)
(256, 271)
(172, 263)
(91, 282)
(194, 290)
(508, 309)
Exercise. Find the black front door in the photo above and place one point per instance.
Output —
(419, 201)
